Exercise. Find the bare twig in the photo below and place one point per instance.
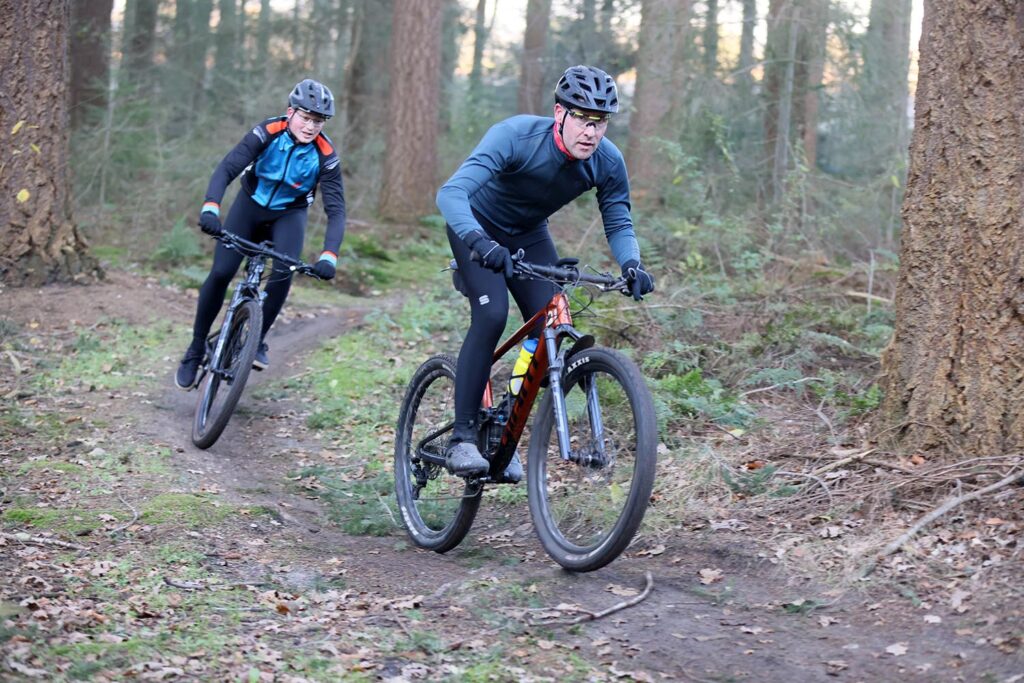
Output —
(781, 384)
(39, 540)
(135, 516)
(201, 585)
(935, 514)
(387, 510)
(812, 477)
(844, 461)
(618, 607)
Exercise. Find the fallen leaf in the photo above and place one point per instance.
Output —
(656, 550)
(956, 600)
(710, 576)
(897, 649)
(932, 619)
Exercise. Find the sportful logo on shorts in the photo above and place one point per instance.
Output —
(484, 300)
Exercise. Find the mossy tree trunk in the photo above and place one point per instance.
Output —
(954, 372)
(39, 243)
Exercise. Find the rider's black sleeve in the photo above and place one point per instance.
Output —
(333, 195)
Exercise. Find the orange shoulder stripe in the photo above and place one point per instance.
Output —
(276, 127)
(325, 147)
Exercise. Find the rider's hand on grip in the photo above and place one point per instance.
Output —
(638, 280)
(324, 269)
(492, 255)
(209, 223)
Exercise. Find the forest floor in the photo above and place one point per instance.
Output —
(127, 553)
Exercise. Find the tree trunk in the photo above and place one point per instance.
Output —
(954, 372)
(263, 40)
(711, 38)
(661, 28)
(590, 45)
(199, 46)
(140, 44)
(90, 58)
(367, 82)
(451, 29)
(410, 161)
(533, 79)
(794, 59)
(39, 242)
(810, 68)
(226, 87)
(885, 94)
(479, 42)
(745, 78)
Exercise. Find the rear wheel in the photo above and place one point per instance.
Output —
(226, 377)
(587, 509)
(437, 507)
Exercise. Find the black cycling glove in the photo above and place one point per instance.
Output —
(324, 269)
(638, 280)
(492, 255)
(209, 222)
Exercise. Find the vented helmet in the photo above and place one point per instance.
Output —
(314, 97)
(587, 87)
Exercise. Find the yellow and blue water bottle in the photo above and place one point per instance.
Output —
(515, 382)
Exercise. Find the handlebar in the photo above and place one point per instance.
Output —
(233, 241)
(565, 272)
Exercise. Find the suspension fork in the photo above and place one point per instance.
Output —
(555, 365)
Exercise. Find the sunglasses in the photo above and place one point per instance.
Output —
(585, 118)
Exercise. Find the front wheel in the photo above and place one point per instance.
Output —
(587, 509)
(437, 507)
(225, 379)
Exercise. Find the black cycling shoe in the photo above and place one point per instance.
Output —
(185, 378)
(464, 460)
(513, 474)
(260, 362)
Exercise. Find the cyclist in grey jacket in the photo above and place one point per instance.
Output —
(499, 201)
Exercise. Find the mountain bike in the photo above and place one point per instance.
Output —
(231, 350)
(592, 448)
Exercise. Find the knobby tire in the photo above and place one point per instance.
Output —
(215, 407)
(437, 516)
(585, 516)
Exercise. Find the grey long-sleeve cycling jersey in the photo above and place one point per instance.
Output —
(517, 177)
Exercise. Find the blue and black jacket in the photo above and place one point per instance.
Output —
(518, 176)
(282, 173)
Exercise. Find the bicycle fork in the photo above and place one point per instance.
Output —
(594, 456)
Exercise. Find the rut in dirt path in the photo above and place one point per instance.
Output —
(738, 626)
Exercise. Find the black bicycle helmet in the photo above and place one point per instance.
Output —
(587, 87)
(314, 97)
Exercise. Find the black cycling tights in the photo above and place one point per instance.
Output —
(488, 299)
(249, 220)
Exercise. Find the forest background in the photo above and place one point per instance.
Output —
(813, 360)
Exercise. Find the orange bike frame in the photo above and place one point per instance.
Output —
(557, 322)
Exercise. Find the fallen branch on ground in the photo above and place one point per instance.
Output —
(39, 540)
(935, 514)
(812, 477)
(135, 517)
(844, 461)
(593, 616)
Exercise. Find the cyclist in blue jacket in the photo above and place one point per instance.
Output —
(499, 200)
(284, 159)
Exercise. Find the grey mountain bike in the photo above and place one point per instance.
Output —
(231, 350)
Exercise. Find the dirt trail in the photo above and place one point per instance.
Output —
(734, 628)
